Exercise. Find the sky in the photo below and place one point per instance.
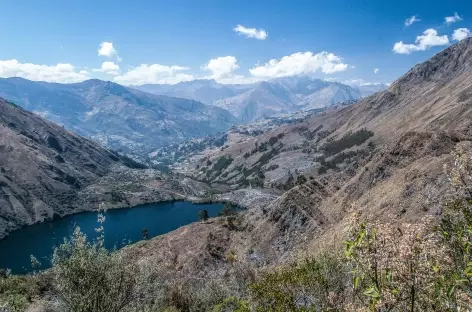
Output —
(140, 42)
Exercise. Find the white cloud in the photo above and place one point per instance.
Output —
(221, 67)
(460, 34)
(109, 68)
(260, 33)
(428, 39)
(154, 73)
(452, 19)
(376, 70)
(409, 21)
(65, 73)
(300, 63)
(108, 50)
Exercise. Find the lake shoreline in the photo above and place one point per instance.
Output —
(192, 199)
(121, 225)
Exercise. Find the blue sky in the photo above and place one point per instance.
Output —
(170, 41)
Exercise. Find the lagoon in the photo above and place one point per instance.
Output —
(121, 226)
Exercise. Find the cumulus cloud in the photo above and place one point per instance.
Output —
(460, 34)
(109, 68)
(259, 34)
(376, 70)
(64, 73)
(154, 73)
(409, 21)
(428, 39)
(452, 19)
(221, 67)
(108, 50)
(300, 63)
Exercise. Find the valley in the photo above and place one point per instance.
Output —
(309, 161)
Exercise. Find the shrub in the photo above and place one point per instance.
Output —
(316, 284)
(228, 210)
(17, 292)
(232, 304)
(89, 278)
(301, 179)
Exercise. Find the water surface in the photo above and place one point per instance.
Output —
(121, 226)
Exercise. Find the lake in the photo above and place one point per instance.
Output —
(121, 226)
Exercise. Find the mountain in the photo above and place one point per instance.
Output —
(204, 90)
(367, 89)
(308, 185)
(380, 160)
(263, 99)
(47, 171)
(43, 167)
(127, 120)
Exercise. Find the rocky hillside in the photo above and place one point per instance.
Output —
(266, 98)
(126, 120)
(381, 159)
(47, 171)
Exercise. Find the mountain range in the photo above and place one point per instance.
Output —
(124, 119)
(381, 160)
(267, 98)
(136, 122)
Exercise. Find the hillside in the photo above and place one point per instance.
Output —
(126, 120)
(47, 171)
(381, 159)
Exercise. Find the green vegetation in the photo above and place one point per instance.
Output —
(315, 282)
(203, 215)
(343, 157)
(17, 292)
(228, 210)
(221, 164)
(347, 141)
(301, 179)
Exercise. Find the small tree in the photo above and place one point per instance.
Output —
(301, 179)
(144, 233)
(228, 210)
(203, 215)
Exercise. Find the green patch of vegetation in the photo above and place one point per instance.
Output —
(228, 210)
(301, 179)
(315, 284)
(17, 292)
(203, 215)
(348, 141)
(272, 167)
(221, 164)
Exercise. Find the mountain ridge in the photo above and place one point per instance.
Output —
(121, 118)
(266, 98)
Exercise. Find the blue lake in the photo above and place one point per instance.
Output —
(121, 226)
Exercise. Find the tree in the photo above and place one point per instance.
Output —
(301, 179)
(228, 210)
(144, 233)
(203, 215)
